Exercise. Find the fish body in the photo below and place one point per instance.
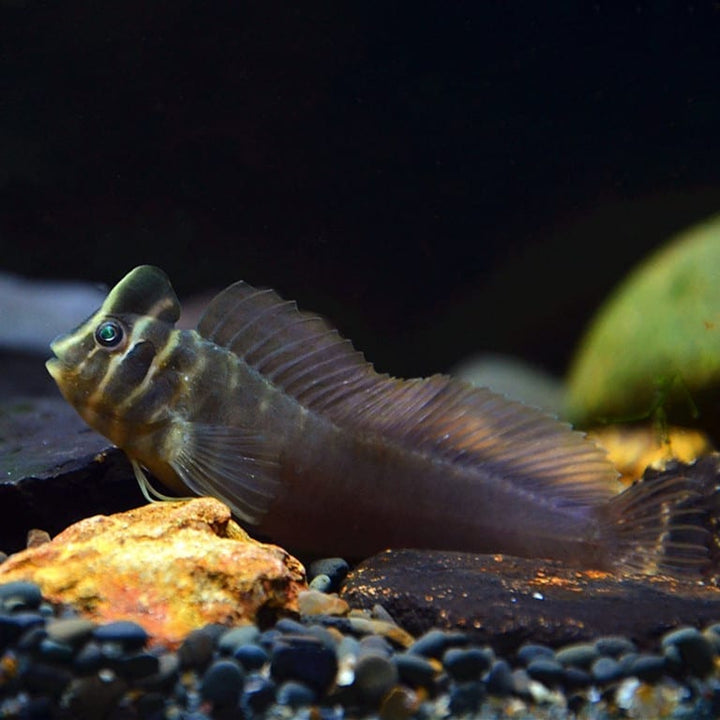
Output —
(271, 411)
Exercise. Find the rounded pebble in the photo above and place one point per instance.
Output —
(648, 667)
(295, 694)
(196, 650)
(435, 642)
(415, 670)
(251, 657)
(466, 698)
(124, 632)
(614, 645)
(231, 640)
(70, 631)
(464, 664)
(322, 583)
(258, 694)
(500, 679)
(529, 651)
(222, 683)
(335, 569)
(12, 626)
(19, 595)
(375, 674)
(606, 670)
(696, 651)
(547, 671)
(305, 659)
(579, 655)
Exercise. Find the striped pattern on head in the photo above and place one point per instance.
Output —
(105, 368)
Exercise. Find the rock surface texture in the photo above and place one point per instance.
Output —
(506, 601)
(170, 567)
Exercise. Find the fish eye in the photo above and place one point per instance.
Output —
(109, 333)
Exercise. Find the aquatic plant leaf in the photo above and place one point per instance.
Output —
(654, 347)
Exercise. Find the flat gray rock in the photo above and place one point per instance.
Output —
(506, 601)
(54, 470)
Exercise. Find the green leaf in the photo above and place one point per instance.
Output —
(655, 344)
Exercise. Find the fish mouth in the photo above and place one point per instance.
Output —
(54, 364)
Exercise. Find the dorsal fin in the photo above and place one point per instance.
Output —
(302, 355)
(146, 290)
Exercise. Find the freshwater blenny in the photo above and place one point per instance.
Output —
(271, 411)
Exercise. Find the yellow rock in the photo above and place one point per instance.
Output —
(171, 567)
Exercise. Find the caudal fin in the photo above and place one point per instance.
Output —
(667, 523)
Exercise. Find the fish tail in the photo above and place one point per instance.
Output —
(667, 523)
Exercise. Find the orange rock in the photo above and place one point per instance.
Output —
(171, 567)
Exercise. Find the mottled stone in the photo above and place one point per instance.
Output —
(425, 589)
(170, 567)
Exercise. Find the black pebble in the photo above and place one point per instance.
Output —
(580, 655)
(14, 625)
(258, 694)
(466, 697)
(305, 659)
(295, 694)
(435, 642)
(606, 670)
(222, 683)
(614, 645)
(335, 568)
(123, 632)
(467, 663)
(198, 647)
(134, 667)
(231, 640)
(696, 651)
(528, 652)
(547, 671)
(649, 668)
(251, 657)
(500, 679)
(415, 670)
(19, 595)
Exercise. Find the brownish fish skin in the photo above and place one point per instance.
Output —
(272, 412)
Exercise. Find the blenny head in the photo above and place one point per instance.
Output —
(99, 365)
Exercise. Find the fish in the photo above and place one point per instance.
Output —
(269, 409)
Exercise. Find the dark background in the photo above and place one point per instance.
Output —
(439, 178)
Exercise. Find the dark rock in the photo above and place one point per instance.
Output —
(95, 696)
(425, 589)
(45, 679)
(606, 670)
(576, 677)
(466, 698)
(696, 651)
(415, 670)
(222, 683)
(500, 679)
(305, 659)
(196, 650)
(251, 657)
(614, 645)
(137, 666)
(295, 694)
(15, 625)
(235, 638)
(581, 655)
(375, 674)
(55, 471)
(53, 651)
(19, 595)
(464, 664)
(547, 671)
(335, 568)
(529, 651)
(168, 669)
(435, 642)
(126, 633)
(89, 659)
(258, 695)
(648, 667)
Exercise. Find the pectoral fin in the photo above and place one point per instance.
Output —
(232, 464)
